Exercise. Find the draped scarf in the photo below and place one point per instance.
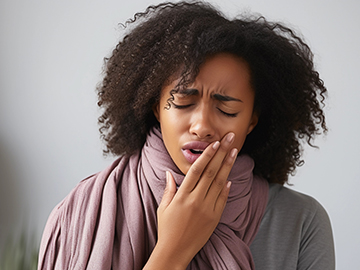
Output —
(109, 220)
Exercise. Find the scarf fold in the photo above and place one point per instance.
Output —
(109, 220)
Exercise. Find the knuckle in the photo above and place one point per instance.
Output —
(228, 163)
(193, 206)
(181, 198)
(196, 169)
(219, 183)
(209, 215)
(224, 146)
(223, 198)
(210, 173)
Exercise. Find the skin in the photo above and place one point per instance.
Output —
(201, 115)
(188, 216)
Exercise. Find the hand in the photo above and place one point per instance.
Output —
(188, 217)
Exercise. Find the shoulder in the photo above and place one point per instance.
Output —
(88, 192)
(79, 194)
(75, 216)
(279, 192)
(63, 213)
(288, 208)
(295, 233)
(61, 220)
(282, 198)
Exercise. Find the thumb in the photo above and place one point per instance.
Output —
(169, 191)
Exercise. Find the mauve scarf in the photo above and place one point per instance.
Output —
(109, 220)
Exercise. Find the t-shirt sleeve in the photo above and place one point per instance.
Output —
(316, 245)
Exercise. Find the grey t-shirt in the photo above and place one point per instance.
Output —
(295, 233)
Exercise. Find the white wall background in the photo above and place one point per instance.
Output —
(51, 54)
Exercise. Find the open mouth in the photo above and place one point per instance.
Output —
(193, 150)
(196, 151)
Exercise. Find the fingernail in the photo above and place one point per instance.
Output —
(216, 145)
(233, 153)
(230, 137)
(167, 177)
(228, 184)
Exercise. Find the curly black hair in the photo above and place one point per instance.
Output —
(176, 38)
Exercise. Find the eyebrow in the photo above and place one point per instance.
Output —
(189, 92)
(225, 98)
(195, 92)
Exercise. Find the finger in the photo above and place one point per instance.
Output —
(197, 168)
(220, 180)
(213, 167)
(169, 191)
(222, 199)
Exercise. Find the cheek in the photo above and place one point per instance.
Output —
(171, 127)
(240, 135)
(239, 140)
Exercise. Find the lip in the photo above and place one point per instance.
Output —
(189, 156)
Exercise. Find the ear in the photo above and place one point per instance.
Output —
(155, 109)
(253, 122)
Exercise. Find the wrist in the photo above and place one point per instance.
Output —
(162, 259)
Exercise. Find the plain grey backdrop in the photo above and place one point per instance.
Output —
(51, 56)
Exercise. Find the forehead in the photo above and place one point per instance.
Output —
(224, 70)
(221, 73)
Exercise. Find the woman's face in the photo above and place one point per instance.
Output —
(220, 101)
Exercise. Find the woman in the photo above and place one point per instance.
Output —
(208, 115)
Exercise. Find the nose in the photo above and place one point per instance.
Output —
(202, 124)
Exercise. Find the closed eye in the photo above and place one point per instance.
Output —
(228, 114)
(181, 106)
(188, 105)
